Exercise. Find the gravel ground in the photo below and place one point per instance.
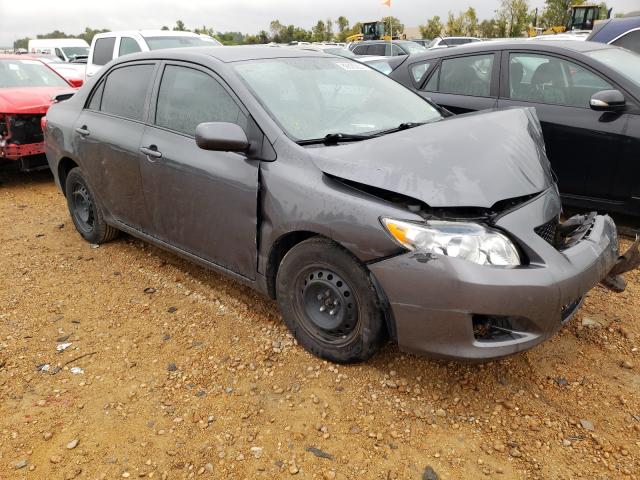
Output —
(184, 373)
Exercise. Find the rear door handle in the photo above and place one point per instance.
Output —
(151, 151)
(83, 131)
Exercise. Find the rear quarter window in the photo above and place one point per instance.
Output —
(103, 51)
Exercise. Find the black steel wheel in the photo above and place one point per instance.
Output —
(85, 212)
(329, 303)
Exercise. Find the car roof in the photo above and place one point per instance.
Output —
(386, 41)
(558, 46)
(608, 30)
(149, 33)
(231, 54)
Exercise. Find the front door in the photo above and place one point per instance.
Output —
(202, 202)
(583, 145)
(108, 132)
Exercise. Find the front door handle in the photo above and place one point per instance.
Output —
(83, 131)
(151, 152)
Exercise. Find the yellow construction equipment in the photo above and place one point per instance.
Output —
(581, 18)
(370, 31)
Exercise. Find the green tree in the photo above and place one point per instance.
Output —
(455, 25)
(318, 32)
(556, 12)
(516, 15)
(471, 22)
(164, 27)
(488, 29)
(21, 43)
(432, 29)
(180, 26)
(392, 25)
(343, 28)
(328, 30)
(89, 33)
(276, 30)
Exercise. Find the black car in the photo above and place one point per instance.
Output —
(587, 96)
(621, 32)
(387, 48)
(335, 190)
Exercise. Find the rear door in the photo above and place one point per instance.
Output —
(465, 83)
(203, 202)
(108, 132)
(584, 146)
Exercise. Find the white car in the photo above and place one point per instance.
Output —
(107, 46)
(73, 72)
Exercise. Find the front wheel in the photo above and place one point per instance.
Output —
(85, 211)
(329, 303)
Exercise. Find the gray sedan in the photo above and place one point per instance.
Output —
(335, 190)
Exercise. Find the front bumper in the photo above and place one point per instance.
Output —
(436, 301)
(16, 152)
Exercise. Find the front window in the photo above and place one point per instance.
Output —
(314, 97)
(551, 80)
(175, 41)
(28, 73)
(74, 52)
(625, 62)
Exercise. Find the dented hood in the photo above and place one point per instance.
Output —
(28, 100)
(474, 160)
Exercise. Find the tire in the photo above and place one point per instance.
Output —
(329, 303)
(85, 211)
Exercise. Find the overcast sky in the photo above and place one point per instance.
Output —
(21, 18)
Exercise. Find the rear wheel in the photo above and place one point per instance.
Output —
(85, 211)
(329, 303)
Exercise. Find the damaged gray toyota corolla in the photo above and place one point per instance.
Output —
(322, 183)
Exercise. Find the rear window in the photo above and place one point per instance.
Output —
(103, 50)
(125, 91)
(630, 41)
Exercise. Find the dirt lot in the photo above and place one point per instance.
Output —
(188, 374)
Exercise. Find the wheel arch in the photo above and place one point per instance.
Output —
(289, 240)
(65, 165)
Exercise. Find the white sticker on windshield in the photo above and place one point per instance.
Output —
(30, 62)
(352, 66)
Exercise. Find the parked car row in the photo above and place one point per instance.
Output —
(365, 210)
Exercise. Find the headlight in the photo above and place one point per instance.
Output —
(469, 241)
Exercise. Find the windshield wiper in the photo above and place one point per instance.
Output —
(335, 138)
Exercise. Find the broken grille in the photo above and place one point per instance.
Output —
(548, 231)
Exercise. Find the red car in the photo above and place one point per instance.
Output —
(27, 87)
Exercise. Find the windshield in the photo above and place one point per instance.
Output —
(413, 47)
(314, 97)
(174, 41)
(28, 73)
(72, 52)
(623, 61)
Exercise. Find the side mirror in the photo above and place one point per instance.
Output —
(607, 101)
(221, 137)
(76, 82)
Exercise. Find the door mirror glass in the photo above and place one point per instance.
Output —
(221, 137)
(607, 100)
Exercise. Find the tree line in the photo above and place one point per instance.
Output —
(511, 20)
